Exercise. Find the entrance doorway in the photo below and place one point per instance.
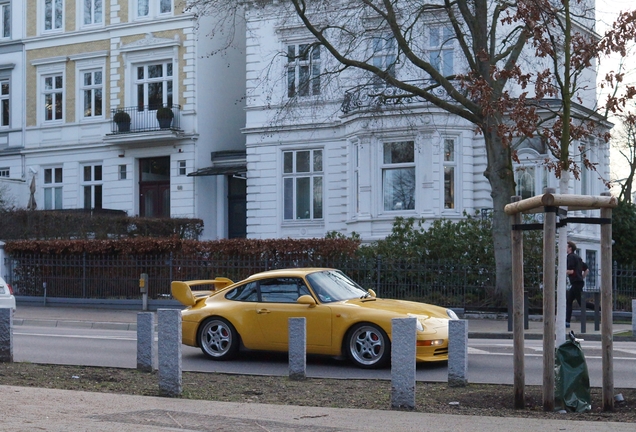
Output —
(154, 187)
(236, 207)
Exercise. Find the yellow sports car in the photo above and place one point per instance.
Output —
(342, 318)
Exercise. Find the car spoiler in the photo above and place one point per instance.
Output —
(182, 290)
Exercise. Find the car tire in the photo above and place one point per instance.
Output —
(368, 346)
(218, 339)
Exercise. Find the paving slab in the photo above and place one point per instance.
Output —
(26, 408)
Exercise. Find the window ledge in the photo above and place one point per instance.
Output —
(303, 222)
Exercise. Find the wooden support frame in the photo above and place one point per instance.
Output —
(548, 203)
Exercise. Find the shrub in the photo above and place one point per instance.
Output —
(164, 113)
(121, 117)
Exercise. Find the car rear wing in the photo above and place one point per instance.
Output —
(182, 290)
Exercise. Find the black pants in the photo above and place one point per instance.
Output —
(574, 293)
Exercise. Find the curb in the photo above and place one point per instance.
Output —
(75, 324)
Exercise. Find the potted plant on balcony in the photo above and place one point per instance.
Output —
(122, 119)
(165, 116)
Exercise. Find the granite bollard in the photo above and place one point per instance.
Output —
(404, 332)
(169, 351)
(6, 335)
(457, 353)
(297, 348)
(633, 317)
(145, 341)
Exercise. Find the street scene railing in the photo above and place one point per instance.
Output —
(440, 283)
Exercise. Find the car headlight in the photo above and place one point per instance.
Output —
(451, 314)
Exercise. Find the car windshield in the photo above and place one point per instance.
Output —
(333, 285)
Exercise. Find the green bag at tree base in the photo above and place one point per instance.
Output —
(572, 380)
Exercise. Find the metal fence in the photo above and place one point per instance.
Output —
(441, 283)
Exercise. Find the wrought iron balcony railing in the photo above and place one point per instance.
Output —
(146, 118)
(380, 96)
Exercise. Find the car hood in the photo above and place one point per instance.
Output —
(422, 311)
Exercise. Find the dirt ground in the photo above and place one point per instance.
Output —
(474, 399)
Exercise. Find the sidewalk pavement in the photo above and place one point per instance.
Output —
(26, 408)
(480, 326)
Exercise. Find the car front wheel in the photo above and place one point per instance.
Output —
(218, 339)
(368, 346)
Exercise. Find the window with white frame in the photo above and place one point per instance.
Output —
(303, 70)
(150, 8)
(450, 173)
(531, 176)
(383, 56)
(53, 96)
(53, 184)
(5, 171)
(92, 185)
(53, 14)
(123, 175)
(441, 50)
(302, 184)
(530, 179)
(5, 10)
(356, 176)
(91, 89)
(398, 175)
(181, 167)
(93, 12)
(4, 103)
(154, 85)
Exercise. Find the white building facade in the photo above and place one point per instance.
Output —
(260, 144)
(82, 62)
(325, 153)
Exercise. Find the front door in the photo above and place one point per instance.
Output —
(154, 187)
(236, 206)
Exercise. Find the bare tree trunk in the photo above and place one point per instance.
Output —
(500, 176)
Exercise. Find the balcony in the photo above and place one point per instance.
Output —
(131, 120)
(377, 97)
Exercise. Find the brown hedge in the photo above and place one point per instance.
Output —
(237, 248)
(91, 224)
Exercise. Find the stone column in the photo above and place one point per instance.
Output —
(170, 381)
(6, 335)
(297, 348)
(404, 333)
(145, 341)
(457, 353)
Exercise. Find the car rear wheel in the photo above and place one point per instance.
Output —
(218, 339)
(368, 346)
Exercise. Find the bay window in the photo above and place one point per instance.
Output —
(450, 172)
(398, 175)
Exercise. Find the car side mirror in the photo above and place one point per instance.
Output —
(372, 293)
(306, 300)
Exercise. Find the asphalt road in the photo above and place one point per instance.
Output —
(489, 360)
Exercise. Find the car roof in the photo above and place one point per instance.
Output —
(290, 272)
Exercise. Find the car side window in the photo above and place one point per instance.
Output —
(246, 293)
(282, 290)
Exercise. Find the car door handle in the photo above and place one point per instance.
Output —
(262, 311)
